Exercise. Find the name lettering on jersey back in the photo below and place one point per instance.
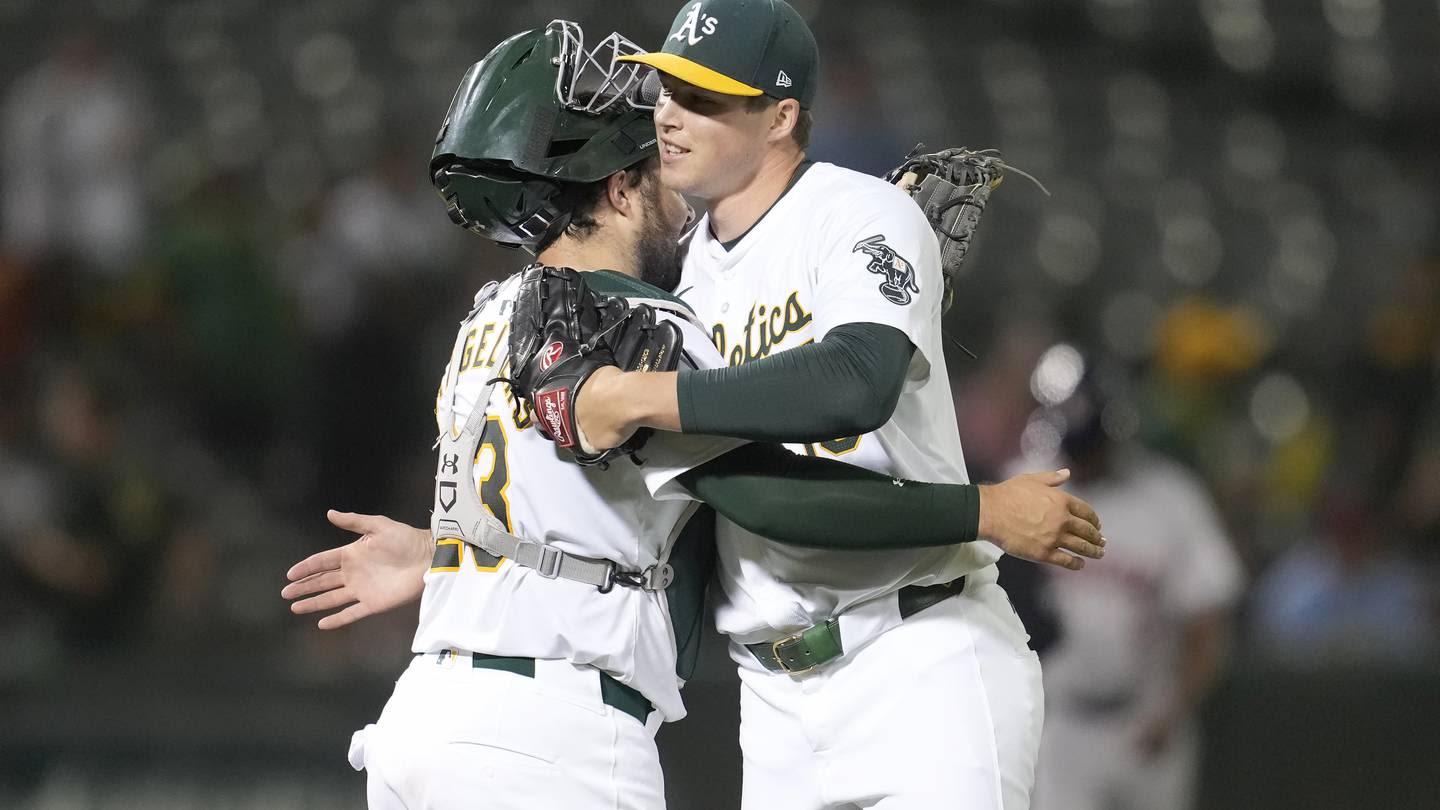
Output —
(481, 352)
(473, 354)
(765, 328)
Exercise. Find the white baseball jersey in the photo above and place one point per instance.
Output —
(839, 247)
(475, 604)
(1121, 617)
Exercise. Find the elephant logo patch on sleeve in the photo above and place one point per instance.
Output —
(899, 274)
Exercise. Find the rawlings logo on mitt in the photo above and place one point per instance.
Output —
(553, 408)
(551, 354)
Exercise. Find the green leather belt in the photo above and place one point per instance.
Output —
(613, 693)
(818, 644)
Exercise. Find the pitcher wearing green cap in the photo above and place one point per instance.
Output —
(893, 680)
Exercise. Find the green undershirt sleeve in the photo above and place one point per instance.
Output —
(845, 385)
(816, 502)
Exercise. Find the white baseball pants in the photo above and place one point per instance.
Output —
(943, 711)
(453, 736)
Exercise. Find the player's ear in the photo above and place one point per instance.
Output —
(784, 116)
(622, 193)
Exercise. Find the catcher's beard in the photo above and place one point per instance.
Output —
(657, 252)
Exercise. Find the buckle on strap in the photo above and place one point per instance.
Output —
(779, 656)
(608, 581)
(658, 577)
(799, 653)
(654, 578)
(542, 559)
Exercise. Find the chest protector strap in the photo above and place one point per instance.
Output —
(459, 515)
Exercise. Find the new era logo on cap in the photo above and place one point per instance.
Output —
(783, 80)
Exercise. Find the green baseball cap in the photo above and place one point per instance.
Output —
(740, 48)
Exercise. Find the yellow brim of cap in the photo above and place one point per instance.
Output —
(694, 73)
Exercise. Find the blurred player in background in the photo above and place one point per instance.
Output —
(1142, 637)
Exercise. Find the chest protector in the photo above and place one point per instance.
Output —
(458, 513)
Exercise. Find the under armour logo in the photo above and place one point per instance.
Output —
(783, 80)
(449, 462)
(696, 27)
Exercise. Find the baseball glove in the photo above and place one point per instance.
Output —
(952, 187)
(561, 331)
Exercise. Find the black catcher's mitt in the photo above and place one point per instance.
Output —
(562, 331)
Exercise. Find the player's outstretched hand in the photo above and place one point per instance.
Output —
(1029, 517)
(381, 571)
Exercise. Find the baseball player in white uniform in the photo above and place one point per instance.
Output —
(900, 680)
(1142, 637)
(832, 738)
(577, 728)
(553, 610)
(557, 599)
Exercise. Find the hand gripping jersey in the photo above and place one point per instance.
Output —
(839, 247)
(628, 515)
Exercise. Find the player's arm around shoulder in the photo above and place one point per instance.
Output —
(670, 453)
(821, 503)
(871, 315)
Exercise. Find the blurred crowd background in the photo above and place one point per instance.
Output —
(226, 290)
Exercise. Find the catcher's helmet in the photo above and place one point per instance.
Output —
(538, 114)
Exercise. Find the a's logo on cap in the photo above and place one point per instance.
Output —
(783, 80)
(696, 27)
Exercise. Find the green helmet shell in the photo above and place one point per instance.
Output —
(514, 139)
